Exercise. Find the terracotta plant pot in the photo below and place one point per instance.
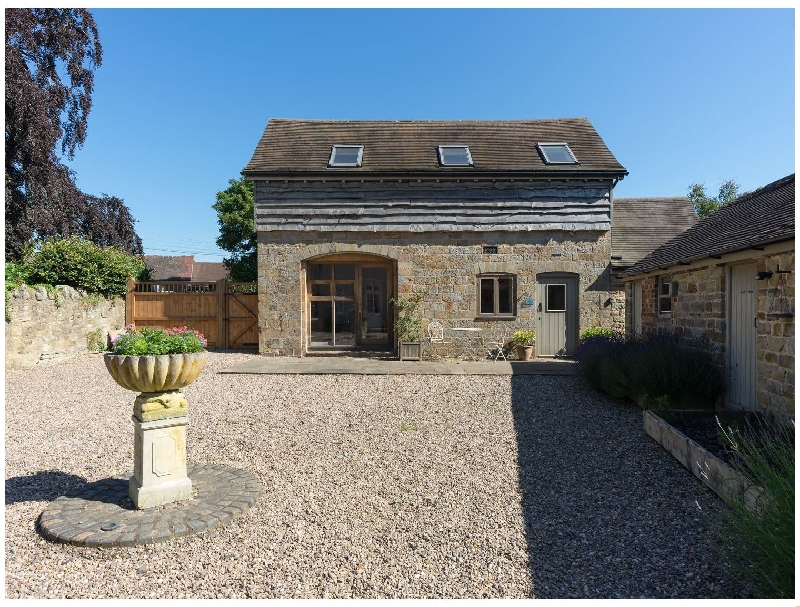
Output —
(524, 352)
(155, 373)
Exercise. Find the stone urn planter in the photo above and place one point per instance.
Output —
(159, 419)
(155, 375)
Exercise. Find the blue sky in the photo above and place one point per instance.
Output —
(183, 95)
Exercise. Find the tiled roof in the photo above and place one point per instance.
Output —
(184, 267)
(639, 225)
(209, 271)
(291, 147)
(752, 220)
(170, 267)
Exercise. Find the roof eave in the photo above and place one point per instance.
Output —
(258, 175)
(710, 255)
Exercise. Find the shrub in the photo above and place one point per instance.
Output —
(95, 340)
(759, 542)
(596, 332)
(147, 341)
(662, 366)
(16, 274)
(601, 362)
(80, 264)
(409, 319)
(681, 369)
(524, 338)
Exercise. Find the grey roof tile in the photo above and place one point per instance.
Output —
(752, 220)
(290, 146)
(639, 225)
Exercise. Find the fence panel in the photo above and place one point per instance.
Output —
(198, 305)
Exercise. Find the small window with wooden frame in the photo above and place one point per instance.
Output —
(556, 298)
(664, 296)
(496, 297)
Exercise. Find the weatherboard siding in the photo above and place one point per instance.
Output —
(336, 206)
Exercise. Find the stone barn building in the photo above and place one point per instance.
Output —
(502, 225)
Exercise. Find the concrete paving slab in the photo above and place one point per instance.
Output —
(361, 366)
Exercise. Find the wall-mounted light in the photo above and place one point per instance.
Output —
(763, 275)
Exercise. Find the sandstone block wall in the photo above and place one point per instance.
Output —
(46, 326)
(775, 335)
(699, 310)
(445, 265)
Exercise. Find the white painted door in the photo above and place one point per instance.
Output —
(557, 333)
(742, 337)
(636, 302)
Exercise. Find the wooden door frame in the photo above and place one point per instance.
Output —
(360, 260)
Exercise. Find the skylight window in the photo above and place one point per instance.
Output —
(455, 156)
(557, 153)
(346, 156)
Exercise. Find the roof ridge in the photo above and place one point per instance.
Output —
(617, 199)
(762, 190)
(431, 121)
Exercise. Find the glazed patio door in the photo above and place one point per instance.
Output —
(348, 305)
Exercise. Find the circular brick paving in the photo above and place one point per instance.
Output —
(102, 515)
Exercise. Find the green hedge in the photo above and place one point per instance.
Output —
(80, 264)
(659, 366)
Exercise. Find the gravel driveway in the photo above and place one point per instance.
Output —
(374, 486)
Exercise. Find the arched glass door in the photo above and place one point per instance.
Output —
(348, 304)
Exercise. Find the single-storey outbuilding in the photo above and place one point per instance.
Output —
(729, 279)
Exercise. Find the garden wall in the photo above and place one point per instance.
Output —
(47, 325)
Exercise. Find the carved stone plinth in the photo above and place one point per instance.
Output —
(159, 462)
(150, 406)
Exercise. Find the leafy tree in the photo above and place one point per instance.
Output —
(51, 55)
(705, 205)
(234, 209)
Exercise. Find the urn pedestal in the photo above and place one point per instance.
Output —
(159, 420)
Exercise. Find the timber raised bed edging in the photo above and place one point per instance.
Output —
(712, 471)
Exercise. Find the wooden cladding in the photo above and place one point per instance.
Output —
(226, 313)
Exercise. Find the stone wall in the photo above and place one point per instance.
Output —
(47, 325)
(444, 265)
(775, 335)
(699, 310)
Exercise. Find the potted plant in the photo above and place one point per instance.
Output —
(524, 341)
(156, 360)
(408, 326)
(158, 363)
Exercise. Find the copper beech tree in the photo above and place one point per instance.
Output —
(51, 55)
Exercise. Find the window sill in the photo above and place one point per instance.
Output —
(486, 318)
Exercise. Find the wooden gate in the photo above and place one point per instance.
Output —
(241, 316)
(225, 313)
